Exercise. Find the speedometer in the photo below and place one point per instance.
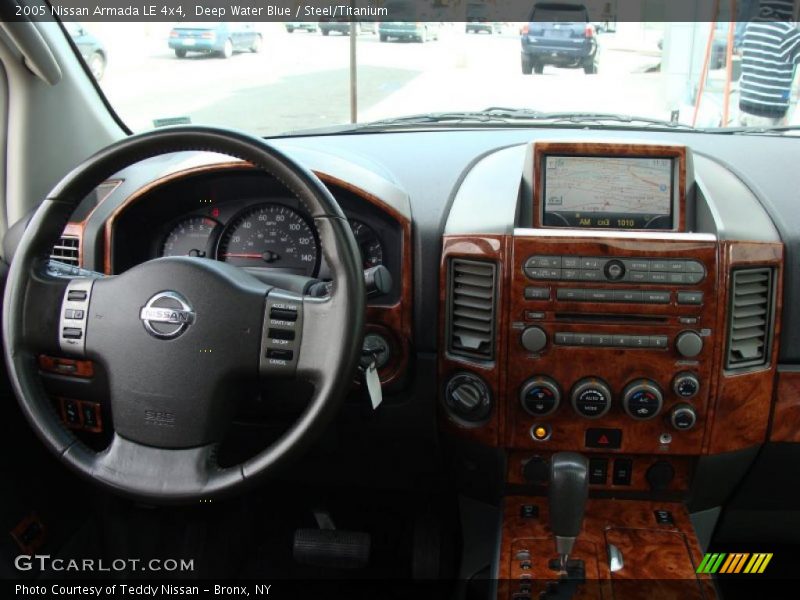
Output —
(270, 236)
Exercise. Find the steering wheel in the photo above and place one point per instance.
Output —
(181, 338)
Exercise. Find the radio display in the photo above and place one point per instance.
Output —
(608, 192)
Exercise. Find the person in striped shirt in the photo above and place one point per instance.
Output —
(770, 53)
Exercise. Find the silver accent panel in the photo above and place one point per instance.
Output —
(615, 559)
(283, 315)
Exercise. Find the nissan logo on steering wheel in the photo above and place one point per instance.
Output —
(166, 315)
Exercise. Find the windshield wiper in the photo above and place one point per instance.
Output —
(772, 130)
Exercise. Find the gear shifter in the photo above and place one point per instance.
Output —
(569, 489)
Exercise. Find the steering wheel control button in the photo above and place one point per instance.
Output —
(541, 433)
(468, 399)
(642, 399)
(591, 398)
(281, 333)
(73, 316)
(282, 314)
(540, 396)
(689, 344)
(534, 339)
(686, 385)
(167, 315)
(610, 439)
(683, 417)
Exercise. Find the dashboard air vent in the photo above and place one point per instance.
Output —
(750, 318)
(67, 250)
(471, 304)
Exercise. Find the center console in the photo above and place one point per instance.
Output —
(625, 317)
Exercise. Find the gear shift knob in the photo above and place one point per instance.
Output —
(567, 494)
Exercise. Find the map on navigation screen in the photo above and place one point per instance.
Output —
(603, 191)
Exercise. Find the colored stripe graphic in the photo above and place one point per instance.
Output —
(737, 562)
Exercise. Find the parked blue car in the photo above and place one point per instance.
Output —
(222, 39)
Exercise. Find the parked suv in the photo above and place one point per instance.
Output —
(560, 35)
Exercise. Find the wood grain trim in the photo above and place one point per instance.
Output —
(630, 150)
(786, 415)
(68, 367)
(648, 562)
(742, 405)
(396, 318)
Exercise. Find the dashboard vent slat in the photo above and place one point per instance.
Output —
(67, 250)
(471, 308)
(750, 320)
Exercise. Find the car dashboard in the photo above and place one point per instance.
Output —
(651, 351)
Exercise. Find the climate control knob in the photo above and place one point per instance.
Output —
(686, 385)
(591, 397)
(642, 399)
(540, 396)
(688, 344)
(683, 417)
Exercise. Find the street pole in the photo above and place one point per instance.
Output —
(353, 69)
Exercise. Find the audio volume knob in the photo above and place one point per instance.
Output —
(591, 398)
(534, 339)
(683, 417)
(614, 270)
(467, 398)
(688, 344)
(686, 385)
(642, 399)
(540, 396)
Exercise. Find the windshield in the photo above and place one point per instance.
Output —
(284, 77)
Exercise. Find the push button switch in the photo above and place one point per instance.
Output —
(603, 438)
(622, 471)
(598, 471)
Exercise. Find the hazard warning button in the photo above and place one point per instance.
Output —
(603, 438)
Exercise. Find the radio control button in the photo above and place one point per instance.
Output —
(537, 293)
(633, 264)
(640, 341)
(637, 276)
(690, 297)
(695, 277)
(571, 294)
(627, 296)
(570, 262)
(614, 270)
(692, 266)
(622, 341)
(590, 263)
(565, 339)
(550, 262)
(533, 339)
(599, 295)
(591, 275)
(688, 344)
(570, 274)
(656, 297)
(677, 266)
(659, 341)
(677, 277)
(658, 277)
(659, 265)
(601, 339)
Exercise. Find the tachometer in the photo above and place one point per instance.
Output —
(368, 242)
(272, 236)
(192, 236)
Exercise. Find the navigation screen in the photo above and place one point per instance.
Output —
(608, 192)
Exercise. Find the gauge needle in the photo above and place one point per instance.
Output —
(267, 256)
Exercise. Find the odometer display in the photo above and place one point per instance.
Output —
(270, 236)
